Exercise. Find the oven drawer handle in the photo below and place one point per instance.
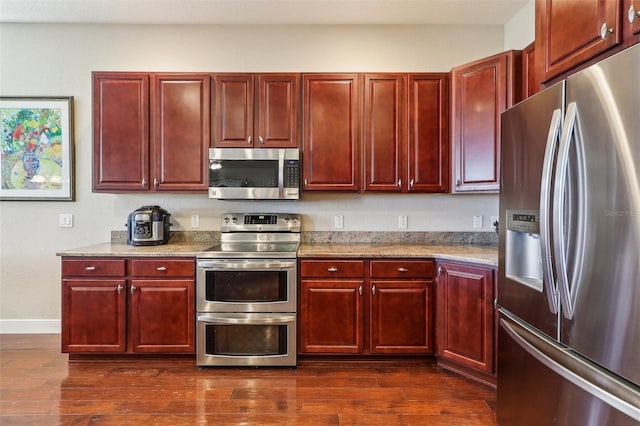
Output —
(248, 320)
(255, 265)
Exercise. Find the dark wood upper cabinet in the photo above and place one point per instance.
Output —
(384, 132)
(530, 84)
(180, 126)
(256, 110)
(120, 131)
(331, 149)
(428, 153)
(405, 135)
(631, 13)
(150, 132)
(480, 92)
(571, 32)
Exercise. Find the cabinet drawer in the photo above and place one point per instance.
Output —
(163, 267)
(402, 268)
(93, 267)
(332, 268)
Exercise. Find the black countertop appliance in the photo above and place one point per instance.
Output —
(149, 226)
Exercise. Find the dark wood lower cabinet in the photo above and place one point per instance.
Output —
(363, 307)
(466, 317)
(106, 309)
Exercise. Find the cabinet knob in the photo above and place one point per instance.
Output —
(411, 183)
(458, 183)
(440, 271)
(632, 14)
(401, 269)
(119, 288)
(155, 182)
(161, 268)
(360, 290)
(90, 268)
(261, 140)
(133, 288)
(399, 183)
(373, 290)
(605, 31)
(332, 269)
(144, 182)
(249, 140)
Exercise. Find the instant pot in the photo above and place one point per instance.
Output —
(149, 226)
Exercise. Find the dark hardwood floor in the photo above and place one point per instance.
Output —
(38, 386)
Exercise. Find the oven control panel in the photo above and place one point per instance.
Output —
(260, 222)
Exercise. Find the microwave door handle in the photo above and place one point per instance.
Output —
(281, 173)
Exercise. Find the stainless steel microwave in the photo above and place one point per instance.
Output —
(254, 174)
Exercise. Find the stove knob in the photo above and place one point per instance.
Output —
(226, 220)
(234, 219)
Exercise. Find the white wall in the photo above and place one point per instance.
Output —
(57, 60)
(521, 28)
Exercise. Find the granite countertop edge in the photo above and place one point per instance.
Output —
(481, 254)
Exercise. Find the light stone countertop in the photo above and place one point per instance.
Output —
(125, 250)
(482, 254)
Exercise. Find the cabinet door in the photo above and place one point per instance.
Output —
(331, 316)
(180, 131)
(481, 91)
(162, 316)
(93, 315)
(631, 20)
(233, 112)
(384, 133)
(466, 316)
(331, 135)
(120, 132)
(428, 155)
(570, 32)
(530, 85)
(401, 315)
(277, 121)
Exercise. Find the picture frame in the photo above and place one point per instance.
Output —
(37, 155)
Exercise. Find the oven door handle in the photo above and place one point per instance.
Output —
(246, 319)
(246, 264)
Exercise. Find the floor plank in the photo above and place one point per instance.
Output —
(39, 386)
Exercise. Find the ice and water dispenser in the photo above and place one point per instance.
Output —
(523, 255)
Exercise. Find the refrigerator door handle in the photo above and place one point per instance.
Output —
(550, 285)
(568, 289)
(614, 391)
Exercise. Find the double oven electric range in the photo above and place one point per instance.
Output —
(246, 292)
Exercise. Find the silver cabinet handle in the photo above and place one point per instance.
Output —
(605, 31)
(399, 183)
(305, 182)
(161, 268)
(261, 140)
(133, 288)
(458, 182)
(119, 288)
(90, 268)
(411, 183)
(360, 290)
(249, 140)
(144, 182)
(440, 271)
(373, 290)
(632, 14)
(401, 269)
(332, 269)
(155, 182)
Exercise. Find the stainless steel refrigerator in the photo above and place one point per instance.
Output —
(569, 251)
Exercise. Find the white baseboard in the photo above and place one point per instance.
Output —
(30, 326)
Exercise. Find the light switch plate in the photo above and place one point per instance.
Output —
(477, 222)
(66, 220)
(402, 222)
(195, 221)
(338, 221)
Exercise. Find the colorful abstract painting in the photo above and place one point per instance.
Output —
(37, 148)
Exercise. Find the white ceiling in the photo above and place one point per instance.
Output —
(485, 12)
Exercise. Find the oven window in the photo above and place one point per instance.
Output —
(245, 173)
(246, 286)
(246, 340)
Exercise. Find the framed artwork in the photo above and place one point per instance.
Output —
(37, 148)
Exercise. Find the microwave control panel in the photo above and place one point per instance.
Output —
(291, 173)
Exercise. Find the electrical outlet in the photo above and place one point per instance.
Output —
(338, 221)
(402, 222)
(477, 222)
(195, 221)
(66, 220)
